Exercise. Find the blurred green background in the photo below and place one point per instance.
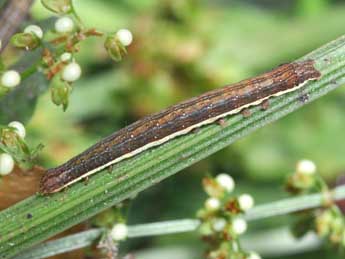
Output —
(183, 48)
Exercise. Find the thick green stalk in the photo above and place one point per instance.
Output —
(88, 237)
(40, 217)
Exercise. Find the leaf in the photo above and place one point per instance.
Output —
(20, 103)
(303, 225)
(114, 48)
(26, 41)
(2, 2)
(58, 6)
(60, 93)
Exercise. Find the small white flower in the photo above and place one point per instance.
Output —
(246, 202)
(10, 78)
(226, 181)
(71, 72)
(239, 226)
(19, 128)
(212, 204)
(119, 232)
(306, 167)
(6, 164)
(253, 255)
(35, 30)
(64, 24)
(125, 37)
(66, 57)
(218, 224)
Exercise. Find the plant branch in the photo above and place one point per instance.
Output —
(52, 214)
(86, 238)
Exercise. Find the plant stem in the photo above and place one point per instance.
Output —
(294, 204)
(76, 16)
(272, 209)
(52, 214)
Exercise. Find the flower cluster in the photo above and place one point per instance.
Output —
(328, 221)
(59, 46)
(13, 147)
(330, 224)
(9, 136)
(304, 179)
(222, 218)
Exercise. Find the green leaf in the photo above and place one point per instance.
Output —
(58, 6)
(2, 2)
(28, 41)
(60, 93)
(303, 225)
(114, 48)
(20, 103)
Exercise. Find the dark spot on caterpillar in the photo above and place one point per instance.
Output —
(195, 130)
(221, 122)
(304, 98)
(110, 169)
(29, 216)
(265, 105)
(327, 60)
(246, 113)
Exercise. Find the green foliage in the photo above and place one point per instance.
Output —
(139, 172)
(311, 8)
(179, 55)
(2, 2)
(114, 47)
(28, 41)
(20, 103)
(58, 6)
(11, 143)
(60, 92)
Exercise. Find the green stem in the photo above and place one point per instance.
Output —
(30, 70)
(272, 209)
(40, 217)
(77, 17)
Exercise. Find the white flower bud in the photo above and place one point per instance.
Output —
(226, 181)
(218, 224)
(66, 57)
(246, 202)
(253, 255)
(239, 226)
(306, 167)
(212, 204)
(6, 164)
(19, 128)
(64, 24)
(35, 30)
(71, 72)
(10, 78)
(119, 232)
(125, 37)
